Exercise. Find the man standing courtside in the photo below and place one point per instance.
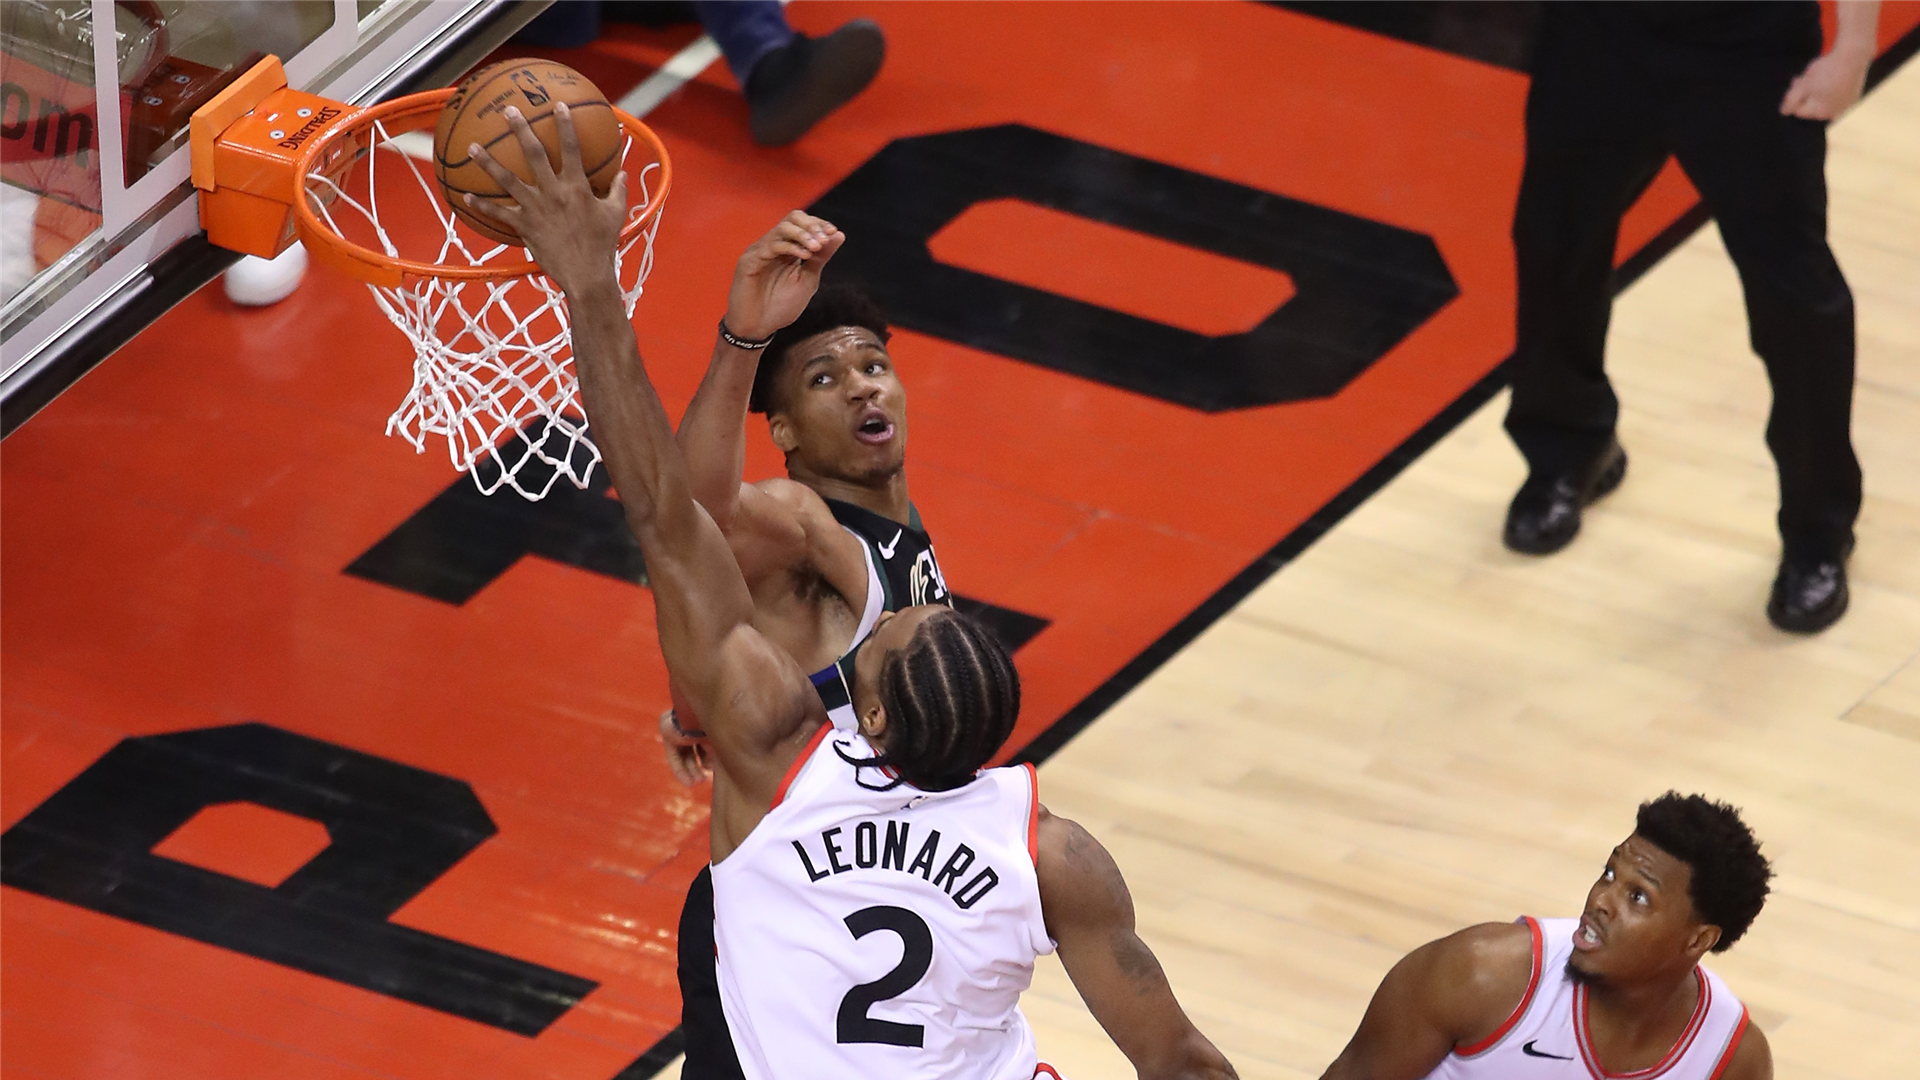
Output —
(810, 820)
(1617, 992)
(1740, 93)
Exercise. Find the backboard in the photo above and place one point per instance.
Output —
(99, 235)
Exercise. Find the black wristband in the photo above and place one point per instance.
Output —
(739, 342)
(673, 717)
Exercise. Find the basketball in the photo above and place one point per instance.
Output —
(476, 113)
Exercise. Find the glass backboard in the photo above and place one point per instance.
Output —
(99, 232)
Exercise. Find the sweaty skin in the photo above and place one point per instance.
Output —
(1638, 942)
(807, 575)
(759, 708)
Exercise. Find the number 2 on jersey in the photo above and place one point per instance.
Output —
(855, 1026)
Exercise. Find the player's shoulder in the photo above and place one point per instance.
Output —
(805, 507)
(1477, 976)
(794, 495)
(1077, 875)
(1495, 957)
(1058, 837)
(1491, 950)
(1753, 1060)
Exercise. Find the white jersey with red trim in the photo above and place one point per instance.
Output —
(870, 932)
(1546, 1037)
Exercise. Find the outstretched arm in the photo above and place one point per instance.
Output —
(1446, 993)
(1090, 916)
(772, 284)
(750, 695)
(775, 526)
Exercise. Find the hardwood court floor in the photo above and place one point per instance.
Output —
(220, 571)
(1410, 729)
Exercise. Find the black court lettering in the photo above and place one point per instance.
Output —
(462, 541)
(395, 830)
(1362, 286)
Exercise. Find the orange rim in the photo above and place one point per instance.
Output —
(379, 268)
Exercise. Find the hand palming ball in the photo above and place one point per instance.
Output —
(477, 113)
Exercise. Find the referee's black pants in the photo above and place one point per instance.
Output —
(1604, 112)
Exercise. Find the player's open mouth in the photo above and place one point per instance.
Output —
(1587, 937)
(874, 429)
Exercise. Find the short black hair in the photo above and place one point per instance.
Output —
(952, 695)
(832, 307)
(1729, 884)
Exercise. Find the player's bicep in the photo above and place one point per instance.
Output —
(1447, 993)
(699, 597)
(1401, 1036)
(756, 702)
(767, 534)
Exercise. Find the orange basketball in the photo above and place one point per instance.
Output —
(476, 113)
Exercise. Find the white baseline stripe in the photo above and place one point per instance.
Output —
(684, 67)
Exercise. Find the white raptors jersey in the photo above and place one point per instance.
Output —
(1546, 1037)
(862, 932)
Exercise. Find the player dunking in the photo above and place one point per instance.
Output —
(1617, 992)
(825, 553)
(829, 846)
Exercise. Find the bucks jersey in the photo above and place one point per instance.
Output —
(1546, 1037)
(908, 571)
(868, 930)
(901, 573)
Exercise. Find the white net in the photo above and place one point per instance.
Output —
(492, 359)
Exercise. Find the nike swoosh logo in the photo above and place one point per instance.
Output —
(1531, 1052)
(887, 549)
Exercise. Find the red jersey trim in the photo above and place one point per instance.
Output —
(1043, 1067)
(1733, 1044)
(1033, 815)
(793, 770)
(1674, 1053)
(1520, 1010)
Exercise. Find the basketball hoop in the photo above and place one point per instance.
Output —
(493, 362)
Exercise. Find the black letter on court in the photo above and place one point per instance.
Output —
(1361, 286)
(394, 829)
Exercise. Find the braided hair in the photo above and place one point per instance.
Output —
(952, 695)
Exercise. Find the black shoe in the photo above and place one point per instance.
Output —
(793, 87)
(1545, 515)
(1809, 595)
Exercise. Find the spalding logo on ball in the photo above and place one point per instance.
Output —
(477, 113)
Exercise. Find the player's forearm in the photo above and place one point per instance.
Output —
(713, 435)
(1193, 1058)
(699, 595)
(628, 423)
(1858, 30)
